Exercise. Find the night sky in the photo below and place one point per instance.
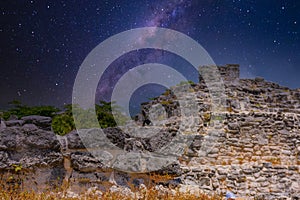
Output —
(43, 43)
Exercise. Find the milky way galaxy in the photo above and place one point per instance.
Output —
(45, 42)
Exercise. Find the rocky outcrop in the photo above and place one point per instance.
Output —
(250, 146)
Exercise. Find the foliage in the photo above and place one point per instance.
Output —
(189, 82)
(17, 168)
(152, 98)
(62, 124)
(166, 102)
(167, 92)
(206, 117)
(216, 117)
(21, 110)
(108, 115)
(85, 118)
(104, 115)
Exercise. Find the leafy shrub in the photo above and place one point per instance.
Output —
(62, 124)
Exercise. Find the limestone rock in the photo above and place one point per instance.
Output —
(74, 141)
(11, 123)
(35, 151)
(40, 121)
(85, 162)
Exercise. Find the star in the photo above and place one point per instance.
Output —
(44, 44)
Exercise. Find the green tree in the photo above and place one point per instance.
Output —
(107, 114)
(20, 110)
(85, 118)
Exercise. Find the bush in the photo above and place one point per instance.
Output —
(63, 124)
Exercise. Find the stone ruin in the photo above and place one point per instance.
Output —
(250, 147)
(229, 72)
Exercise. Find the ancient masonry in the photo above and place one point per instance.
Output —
(250, 146)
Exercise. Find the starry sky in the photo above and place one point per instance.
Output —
(43, 43)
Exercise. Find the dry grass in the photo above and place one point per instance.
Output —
(148, 194)
(143, 193)
(12, 188)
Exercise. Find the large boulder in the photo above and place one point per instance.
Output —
(40, 121)
(33, 153)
